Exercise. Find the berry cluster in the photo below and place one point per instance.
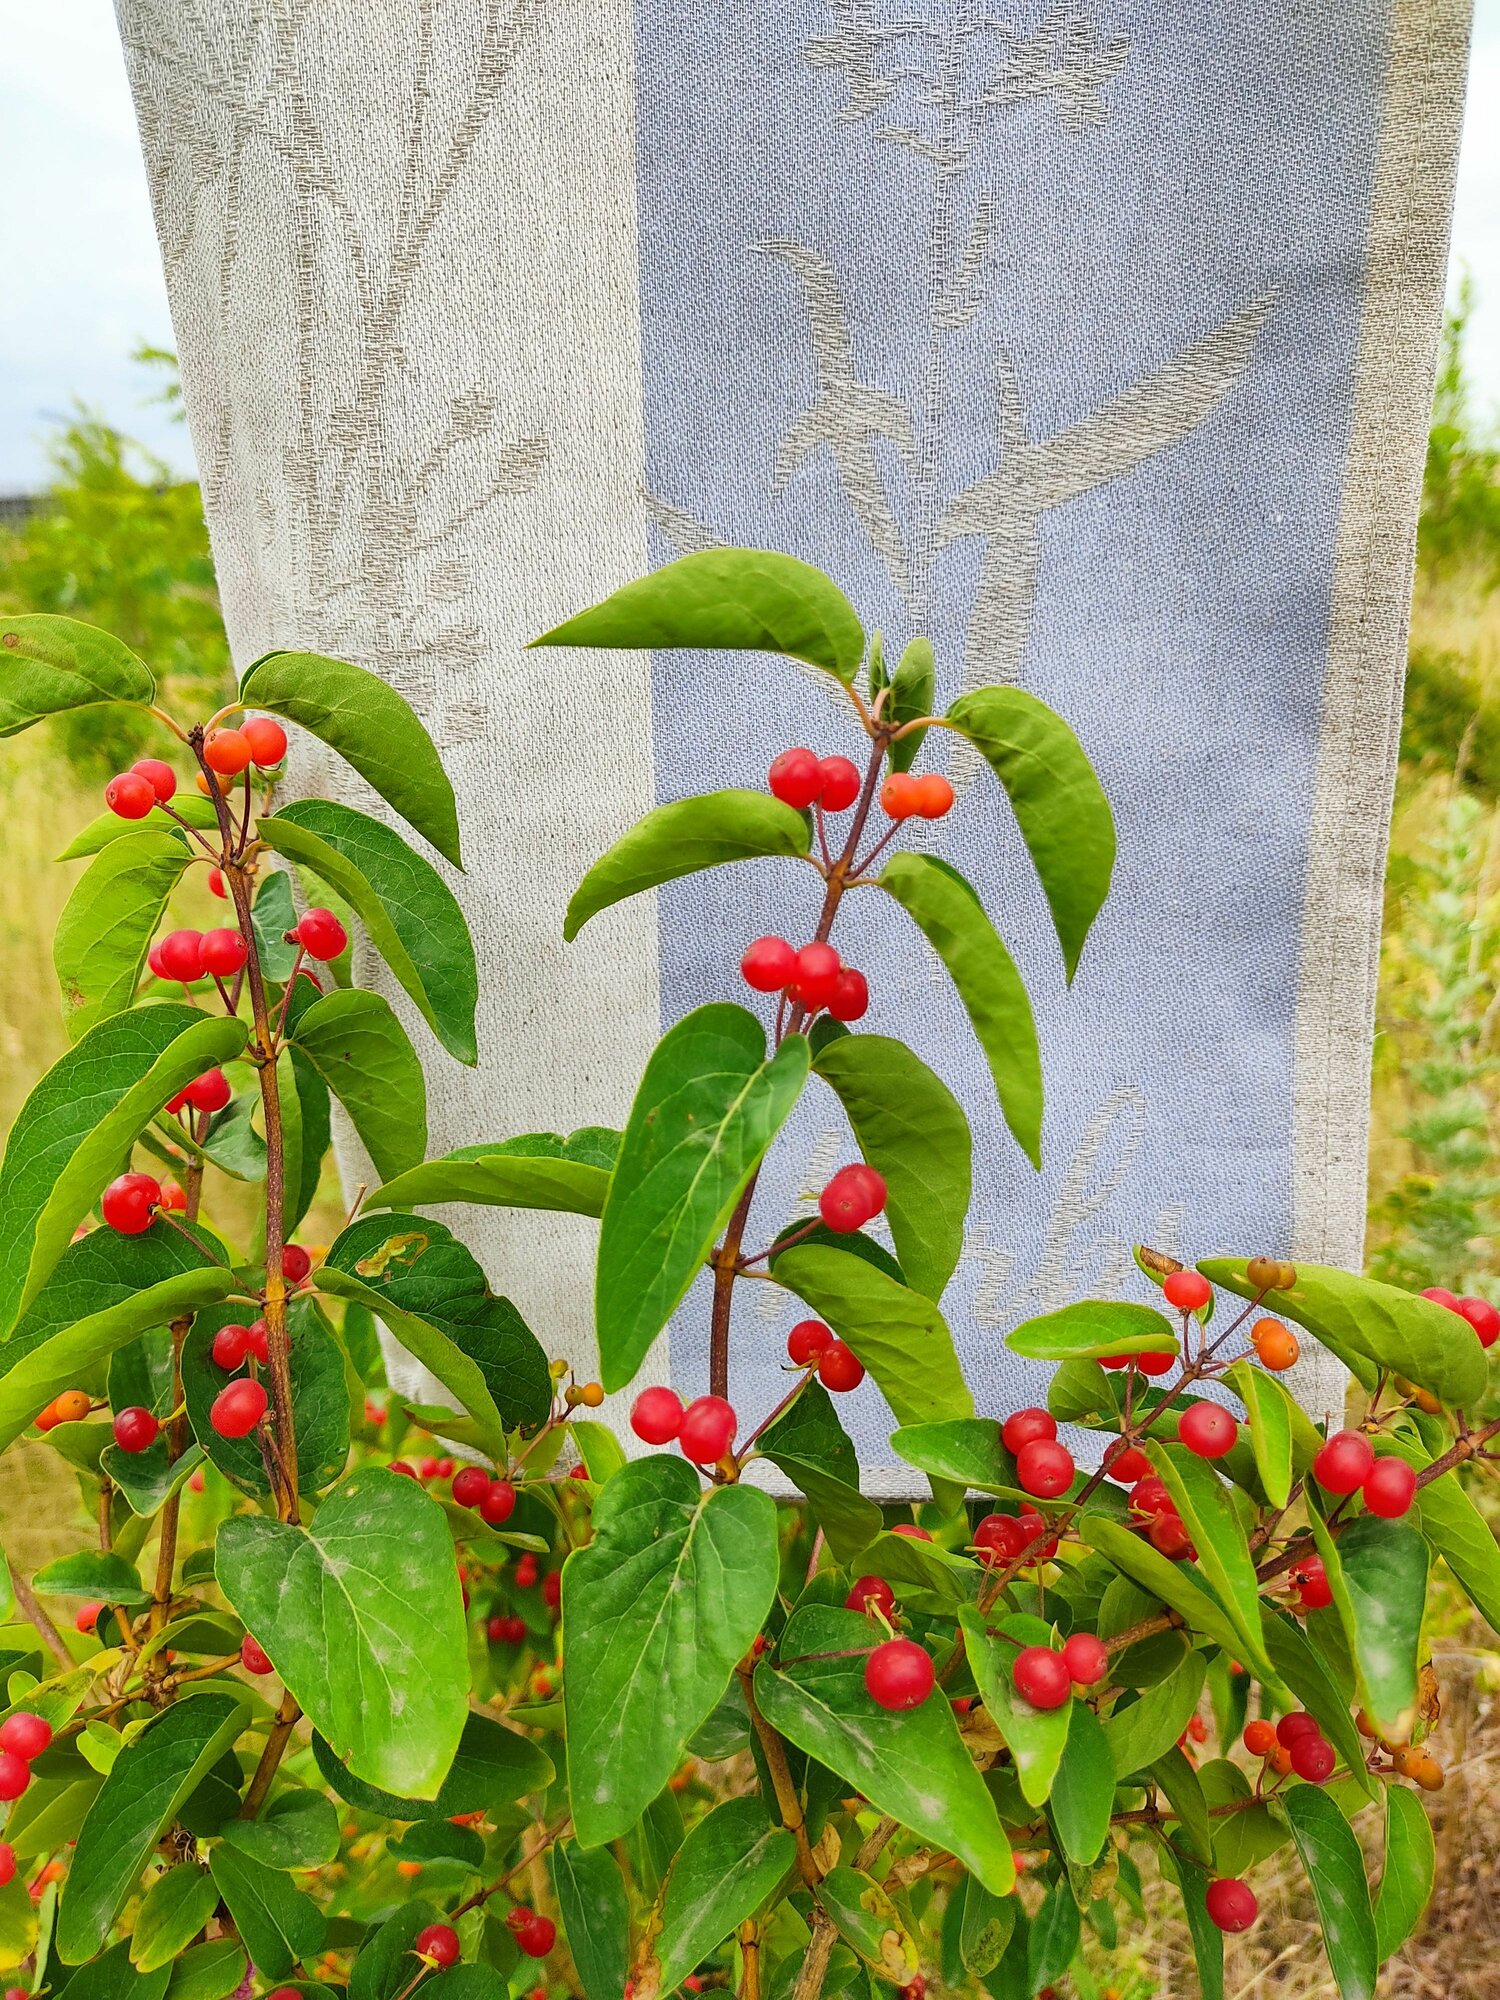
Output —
(1347, 1464)
(23, 1737)
(811, 1344)
(493, 1499)
(534, 1933)
(904, 796)
(814, 978)
(71, 1407)
(1044, 1467)
(1046, 1679)
(1480, 1314)
(1295, 1744)
(148, 782)
(703, 1430)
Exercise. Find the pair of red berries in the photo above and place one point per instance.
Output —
(259, 740)
(811, 1344)
(800, 779)
(1347, 1464)
(904, 796)
(22, 1737)
(1046, 1679)
(148, 782)
(1231, 1904)
(494, 1499)
(209, 1092)
(854, 1196)
(505, 1631)
(815, 977)
(183, 956)
(1151, 1503)
(1147, 1364)
(1000, 1538)
(1043, 1466)
(534, 1933)
(1310, 1753)
(704, 1430)
(233, 1344)
(899, 1675)
(1481, 1315)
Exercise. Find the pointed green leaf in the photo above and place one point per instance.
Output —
(744, 600)
(913, 691)
(709, 1104)
(108, 922)
(867, 1919)
(912, 1130)
(75, 1128)
(1175, 1777)
(211, 1971)
(988, 1921)
(1208, 1939)
(1148, 1728)
(320, 1398)
(298, 1829)
(1170, 1582)
(175, 1908)
(384, 1965)
(950, 916)
(109, 827)
(1036, 1736)
(431, 1295)
(729, 1864)
(1335, 1868)
(1302, 1667)
(537, 1170)
(404, 904)
(1455, 1529)
(92, 1573)
(1281, 1435)
(151, 1778)
(966, 1451)
(1093, 1327)
(1083, 1795)
(362, 1052)
(1378, 1574)
(682, 837)
(1059, 804)
(1224, 1558)
(49, 665)
(596, 1916)
(659, 1608)
(279, 1923)
(362, 1616)
(911, 1764)
(492, 1767)
(1410, 1866)
(370, 725)
(1053, 1938)
(898, 1334)
(306, 1132)
(816, 1453)
(110, 1977)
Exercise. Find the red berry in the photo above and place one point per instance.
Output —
(657, 1416)
(153, 961)
(537, 1938)
(254, 1657)
(768, 964)
(899, 1675)
(807, 1340)
(911, 1531)
(1024, 1427)
(25, 1735)
(1189, 1291)
(15, 1775)
(427, 1468)
(1128, 1465)
(439, 1942)
(88, 1617)
(1032, 1525)
(1169, 1537)
(1310, 1579)
(238, 1408)
(1297, 1723)
(1149, 1498)
(1231, 1904)
(226, 751)
(853, 1196)
(224, 952)
(934, 795)
(1441, 1296)
(130, 796)
(257, 1341)
(231, 1345)
(495, 1628)
(850, 999)
(321, 935)
(1044, 1468)
(1085, 1658)
(815, 974)
(498, 1504)
(1343, 1465)
(470, 1485)
(552, 1589)
(216, 884)
(209, 1092)
(900, 795)
(159, 776)
(841, 783)
(1207, 1430)
(135, 1430)
(840, 1368)
(999, 1538)
(295, 1263)
(173, 1197)
(127, 1203)
(1313, 1758)
(1484, 1319)
(1153, 1364)
(181, 955)
(871, 1594)
(8, 1874)
(1390, 1488)
(707, 1430)
(1041, 1677)
(266, 738)
(796, 778)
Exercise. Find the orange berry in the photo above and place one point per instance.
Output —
(934, 795)
(1275, 1344)
(900, 795)
(71, 1407)
(226, 751)
(1281, 1759)
(224, 780)
(1260, 1738)
(409, 1870)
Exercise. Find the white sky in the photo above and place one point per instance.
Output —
(83, 283)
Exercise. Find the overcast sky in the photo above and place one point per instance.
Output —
(83, 285)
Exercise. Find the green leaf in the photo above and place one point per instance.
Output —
(1459, 1533)
(681, 838)
(1224, 1558)
(110, 1977)
(1175, 1776)
(742, 600)
(175, 1908)
(492, 1767)
(1281, 1436)
(913, 690)
(109, 827)
(298, 1829)
(209, 1971)
(362, 1617)
(659, 1608)
(362, 1052)
(869, 1921)
(272, 915)
(1059, 804)
(912, 1764)
(535, 1171)
(1302, 1667)
(1410, 1867)
(912, 1130)
(898, 1334)
(1377, 1571)
(320, 1398)
(596, 1916)
(92, 1573)
(108, 922)
(988, 1921)
(1335, 1868)
(385, 1965)
(600, 1450)
(1083, 1795)
(404, 904)
(1363, 1321)
(1052, 1939)
(370, 725)
(816, 1453)
(1170, 1582)
(950, 916)
(709, 1104)
(432, 1296)
(49, 665)
(72, 1133)
(966, 1451)
(277, 1921)
(1091, 1328)
(1148, 1728)
(304, 1101)
(729, 1864)
(153, 1775)
(1208, 1939)
(1036, 1736)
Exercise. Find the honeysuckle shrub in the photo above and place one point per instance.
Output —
(346, 1693)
